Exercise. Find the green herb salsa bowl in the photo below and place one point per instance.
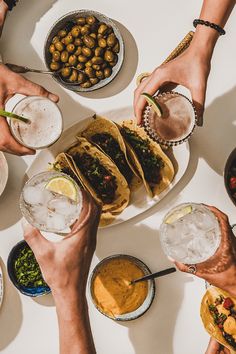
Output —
(24, 271)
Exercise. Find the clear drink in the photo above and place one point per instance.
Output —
(190, 233)
(46, 122)
(48, 210)
(177, 121)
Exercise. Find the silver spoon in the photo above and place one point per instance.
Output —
(154, 275)
(24, 69)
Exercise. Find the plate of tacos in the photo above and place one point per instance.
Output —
(218, 313)
(117, 163)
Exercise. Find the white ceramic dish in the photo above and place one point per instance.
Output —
(3, 172)
(1, 286)
(140, 201)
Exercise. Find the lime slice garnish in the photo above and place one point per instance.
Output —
(63, 186)
(178, 214)
(152, 102)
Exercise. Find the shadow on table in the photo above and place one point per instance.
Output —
(9, 200)
(216, 139)
(127, 72)
(10, 313)
(154, 330)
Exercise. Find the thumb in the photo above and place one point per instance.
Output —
(33, 237)
(29, 88)
(198, 97)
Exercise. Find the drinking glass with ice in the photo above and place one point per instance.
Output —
(51, 201)
(190, 233)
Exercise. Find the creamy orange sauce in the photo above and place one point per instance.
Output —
(111, 288)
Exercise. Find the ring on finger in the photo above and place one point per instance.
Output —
(192, 269)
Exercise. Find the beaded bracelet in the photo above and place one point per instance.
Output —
(11, 3)
(219, 29)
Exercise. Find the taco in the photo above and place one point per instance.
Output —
(100, 176)
(218, 313)
(106, 135)
(154, 167)
(64, 164)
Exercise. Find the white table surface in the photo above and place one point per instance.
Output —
(173, 324)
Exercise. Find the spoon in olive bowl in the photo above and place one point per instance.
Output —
(24, 69)
(154, 275)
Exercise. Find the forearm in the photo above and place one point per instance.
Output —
(3, 13)
(74, 327)
(205, 38)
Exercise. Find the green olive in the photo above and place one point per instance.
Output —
(99, 52)
(73, 60)
(94, 80)
(99, 36)
(104, 65)
(90, 20)
(52, 48)
(88, 64)
(109, 30)
(81, 21)
(78, 51)
(107, 72)
(66, 72)
(96, 67)
(114, 62)
(90, 72)
(54, 66)
(89, 41)
(78, 42)
(86, 84)
(73, 77)
(85, 30)
(82, 58)
(87, 52)
(102, 29)
(111, 40)
(62, 33)
(56, 55)
(102, 42)
(97, 60)
(81, 78)
(59, 46)
(75, 31)
(109, 56)
(80, 66)
(64, 56)
(100, 74)
(55, 39)
(68, 39)
(93, 35)
(116, 47)
(70, 48)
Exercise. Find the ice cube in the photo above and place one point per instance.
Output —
(39, 214)
(56, 222)
(32, 195)
(63, 206)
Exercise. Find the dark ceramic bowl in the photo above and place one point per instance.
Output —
(60, 23)
(230, 160)
(147, 302)
(28, 291)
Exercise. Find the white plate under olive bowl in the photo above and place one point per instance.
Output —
(3, 172)
(1, 286)
(150, 295)
(71, 17)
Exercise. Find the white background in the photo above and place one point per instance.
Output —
(151, 29)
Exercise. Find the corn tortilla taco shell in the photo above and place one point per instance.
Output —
(122, 193)
(211, 327)
(106, 128)
(166, 171)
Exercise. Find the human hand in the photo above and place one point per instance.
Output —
(65, 264)
(10, 84)
(220, 269)
(190, 69)
(215, 348)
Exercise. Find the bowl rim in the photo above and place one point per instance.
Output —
(121, 54)
(10, 259)
(5, 172)
(228, 163)
(151, 290)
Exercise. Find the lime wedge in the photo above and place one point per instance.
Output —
(152, 102)
(178, 214)
(63, 186)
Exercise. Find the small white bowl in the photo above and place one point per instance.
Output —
(3, 172)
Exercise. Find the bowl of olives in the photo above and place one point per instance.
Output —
(85, 49)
